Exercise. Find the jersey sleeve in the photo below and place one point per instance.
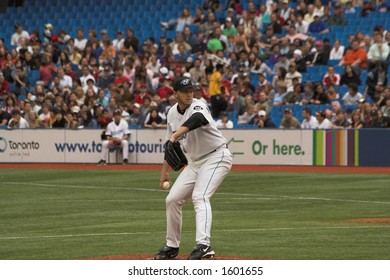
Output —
(201, 107)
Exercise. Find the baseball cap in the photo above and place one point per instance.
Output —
(228, 19)
(321, 113)
(48, 26)
(33, 98)
(287, 110)
(182, 84)
(262, 113)
(75, 109)
(104, 31)
(298, 52)
(164, 70)
(316, 15)
(374, 112)
(137, 105)
(187, 74)
(117, 112)
(153, 104)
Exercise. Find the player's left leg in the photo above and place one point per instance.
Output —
(210, 176)
(125, 150)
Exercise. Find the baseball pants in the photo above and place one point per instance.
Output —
(199, 181)
(106, 146)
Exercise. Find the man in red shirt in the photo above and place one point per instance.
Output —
(119, 78)
(165, 89)
(331, 78)
(356, 57)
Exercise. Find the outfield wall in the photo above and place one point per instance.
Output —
(259, 147)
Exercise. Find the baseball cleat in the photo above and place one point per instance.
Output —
(167, 253)
(201, 252)
(102, 162)
(125, 161)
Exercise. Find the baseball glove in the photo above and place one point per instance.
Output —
(174, 155)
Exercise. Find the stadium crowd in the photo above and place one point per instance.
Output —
(244, 65)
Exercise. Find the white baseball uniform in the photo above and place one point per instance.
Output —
(209, 161)
(116, 131)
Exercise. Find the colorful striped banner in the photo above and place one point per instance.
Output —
(337, 147)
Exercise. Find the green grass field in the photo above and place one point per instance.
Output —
(68, 214)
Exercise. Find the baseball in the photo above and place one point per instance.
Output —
(166, 185)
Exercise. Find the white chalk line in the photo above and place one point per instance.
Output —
(236, 196)
(163, 232)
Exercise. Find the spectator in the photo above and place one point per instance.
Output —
(65, 80)
(341, 120)
(318, 26)
(71, 121)
(218, 103)
(293, 97)
(60, 121)
(378, 52)
(87, 120)
(260, 67)
(4, 117)
(367, 8)
(302, 26)
(224, 121)
(18, 35)
(17, 121)
(337, 18)
(309, 121)
(249, 113)
(236, 102)
(283, 62)
(331, 78)
(289, 121)
(386, 107)
(180, 22)
(307, 95)
(264, 121)
(349, 9)
(352, 96)
(323, 122)
(331, 93)
(280, 94)
(320, 96)
(356, 57)
(292, 73)
(376, 80)
(374, 122)
(80, 42)
(356, 120)
(86, 75)
(154, 120)
(350, 76)
(119, 41)
(383, 7)
(337, 51)
(298, 60)
(137, 117)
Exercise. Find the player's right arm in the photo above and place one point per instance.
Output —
(164, 176)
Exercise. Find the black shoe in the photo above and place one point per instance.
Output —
(125, 161)
(167, 253)
(102, 162)
(201, 251)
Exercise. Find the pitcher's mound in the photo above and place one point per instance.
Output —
(150, 257)
(372, 220)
